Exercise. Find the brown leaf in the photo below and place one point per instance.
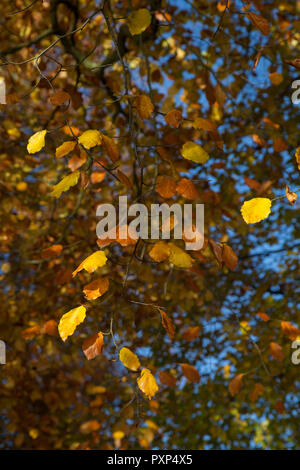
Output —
(260, 22)
(111, 148)
(217, 250)
(52, 251)
(144, 106)
(190, 372)
(60, 97)
(124, 179)
(174, 118)
(229, 257)
(279, 407)
(167, 324)
(235, 384)
(191, 333)
(256, 392)
(93, 346)
(50, 328)
(31, 332)
(276, 351)
(295, 63)
(291, 197)
(167, 379)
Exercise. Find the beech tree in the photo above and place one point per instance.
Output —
(139, 343)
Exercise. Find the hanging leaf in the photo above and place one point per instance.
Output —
(65, 149)
(167, 324)
(93, 346)
(291, 197)
(65, 184)
(187, 189)
(174, 118)
(263, 316)
(276, 351)
(160, 251)
(235, 384)
(144, 106)
(256, 209)
(167, 379)
(179, 257)
(165, 186)
(229, 257)
(96, 288)
(90, 139)
(91, 263)
(205, 124)
(290, 330)
(147, 383)
(190, 373)
(70, 320)
(110, 148)
(260, 22)
(191, 333)
(36, 142)
(138, 21)
(194, 152)
(129, 359)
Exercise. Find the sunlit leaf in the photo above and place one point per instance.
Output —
(147, 383)
(138, 21)
(91, 263)
(70, 320)
(36, 142)
(66, 183)
(256, 209)
(129, 359)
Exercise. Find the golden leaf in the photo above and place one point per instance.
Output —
(129, 359)
(179, 257)
(297, 155)
(205, 124)
(65, 184)
(90, 139)
(36, 142)
(147, 383)
(65, 148)
(92, 262)
(96, 288)
(70, 320)
(144, 106)
(256, 209)
(194, 152)
(138, 21)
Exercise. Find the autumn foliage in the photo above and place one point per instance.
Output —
(133, 343)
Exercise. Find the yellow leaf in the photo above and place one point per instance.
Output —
(255, 210)
(129, 359)
(92, 262)
(194, 152)
(160, 251)
(65, 184)
(65, 148)
(70, 320)
(144, 106)
(138, 21)
(22, 186)
(147, 383)
(179, 257)
(36, 142)
(90, 139)
(34, 433)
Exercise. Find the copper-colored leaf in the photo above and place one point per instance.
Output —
(276, 351)
(174, 118)
(256, 392)
(160, 251)
(291, 197)
(290, 330)
(187, 189)
(263, 316)
(260, 22)
(165, 186)
(229, 257)
(191, 333)
(52, 251)
(60, 97)
(96, 288)
(190, 372)
(235, 384)
(124, 179)
(167, 324)
(167, 379)
(110, 148)
(93, 346)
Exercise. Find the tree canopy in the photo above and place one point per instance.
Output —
(139, 343)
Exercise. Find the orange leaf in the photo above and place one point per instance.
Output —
(191, 333)
(187, 189)
(279, 407)
(165, 186)
(167, 324)
(52, 251)
(190, 373)
(160, 251)
(92, 347)
(31, 332)
(263, 316)
(167, 379)
(65, 149)
(276, 351)
(290, 330)
(229, 257)
(49, 328)
(291, 197)
(96, 288)
(110, 148)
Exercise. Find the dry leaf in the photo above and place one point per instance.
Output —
(96, 288)
(167, 324)
(165, 186)
(190, 373)
(93, 346)
(191, 333)
(291, 197)
(235, 384)
(276, 351)
(174, 118)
